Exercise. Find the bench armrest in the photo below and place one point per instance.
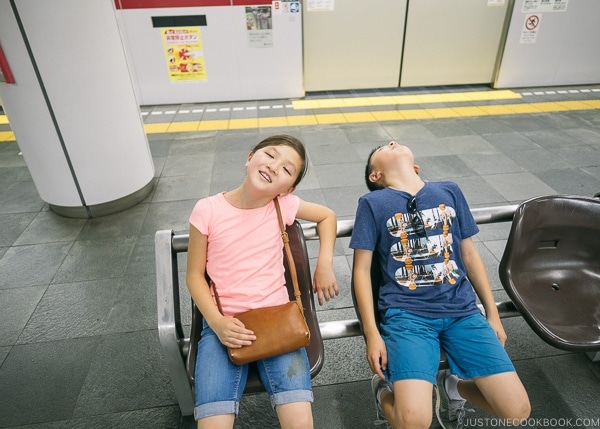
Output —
(170, 332)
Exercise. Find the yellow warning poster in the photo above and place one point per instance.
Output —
(183, 52)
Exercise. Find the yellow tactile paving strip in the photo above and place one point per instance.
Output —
(393, 114)
(449, 97)
(372, 116)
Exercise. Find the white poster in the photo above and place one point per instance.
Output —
(259, 25)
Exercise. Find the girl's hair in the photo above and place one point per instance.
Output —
(294, 143)
(368, 170)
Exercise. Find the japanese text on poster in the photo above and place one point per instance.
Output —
(183, 53)
(530, 6)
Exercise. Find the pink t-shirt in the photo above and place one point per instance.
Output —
(245, 251)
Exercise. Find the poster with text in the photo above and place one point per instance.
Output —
(259, 25)
(183, 53)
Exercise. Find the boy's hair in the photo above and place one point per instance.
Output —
(368, 170)
(294, 143)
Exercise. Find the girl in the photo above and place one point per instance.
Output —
(235, 238)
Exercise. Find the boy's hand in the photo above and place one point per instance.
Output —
(377, 355)
(325, 284)
(496, 325)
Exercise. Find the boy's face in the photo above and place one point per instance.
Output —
(392, 156)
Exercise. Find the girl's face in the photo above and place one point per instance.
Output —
(274, 169)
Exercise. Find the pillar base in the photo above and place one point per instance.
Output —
(105, 209)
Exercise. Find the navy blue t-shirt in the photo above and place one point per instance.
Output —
(422, 273)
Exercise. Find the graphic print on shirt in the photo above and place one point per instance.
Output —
(413, 248)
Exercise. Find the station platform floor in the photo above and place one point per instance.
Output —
(78, 326)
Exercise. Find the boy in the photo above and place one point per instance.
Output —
(421, 233)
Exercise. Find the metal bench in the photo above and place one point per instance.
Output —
(176, 346)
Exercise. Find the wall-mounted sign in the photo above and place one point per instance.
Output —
(183, 53)
(259, 25)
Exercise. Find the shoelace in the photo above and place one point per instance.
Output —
(460, 415)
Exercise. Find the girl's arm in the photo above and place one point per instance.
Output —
(231, 331)
(324, 282)
(479, 279)
(363, 290)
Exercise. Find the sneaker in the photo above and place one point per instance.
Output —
(449, 412)
(377, 384)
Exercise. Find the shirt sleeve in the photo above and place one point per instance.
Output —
(466, 221)
(200, 216)
(289, 208)
(364, 232)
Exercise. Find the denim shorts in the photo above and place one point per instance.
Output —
(219, 384)
(413, 346)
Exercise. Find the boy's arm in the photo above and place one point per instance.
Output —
(324, 282)
(479, 279)
(376, 351)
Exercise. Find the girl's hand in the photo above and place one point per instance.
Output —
(232, 333)
(324, 284)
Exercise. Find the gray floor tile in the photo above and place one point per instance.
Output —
(80, 264)
(169, 215)
(32, 265)
(517, 187)
(446, 167)
(134, 306)
(185, 165)
(88, 305)
(340, 175)
(20, 196)
(41, 382)
(151, 418)
(127, 372)
(12, 226)
(48, 227)
(178, 188)
(123, 224)
(17, 307)
(490, 163)
(570, 181)
(579, 156)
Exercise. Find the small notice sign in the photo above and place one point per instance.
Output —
(530, 28)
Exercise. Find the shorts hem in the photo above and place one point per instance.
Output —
(291, 396)
(484, 372)
(216, 409)
(413, 375)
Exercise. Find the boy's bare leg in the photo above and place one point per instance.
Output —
(410, 404)
(502, 395)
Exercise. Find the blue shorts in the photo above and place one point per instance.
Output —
(413, 346)
(220, 384)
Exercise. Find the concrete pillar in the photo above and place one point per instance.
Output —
(72, 105)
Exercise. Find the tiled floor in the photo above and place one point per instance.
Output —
(78, 337)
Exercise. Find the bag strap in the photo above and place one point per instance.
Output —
(290, 259)
(288, 254)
